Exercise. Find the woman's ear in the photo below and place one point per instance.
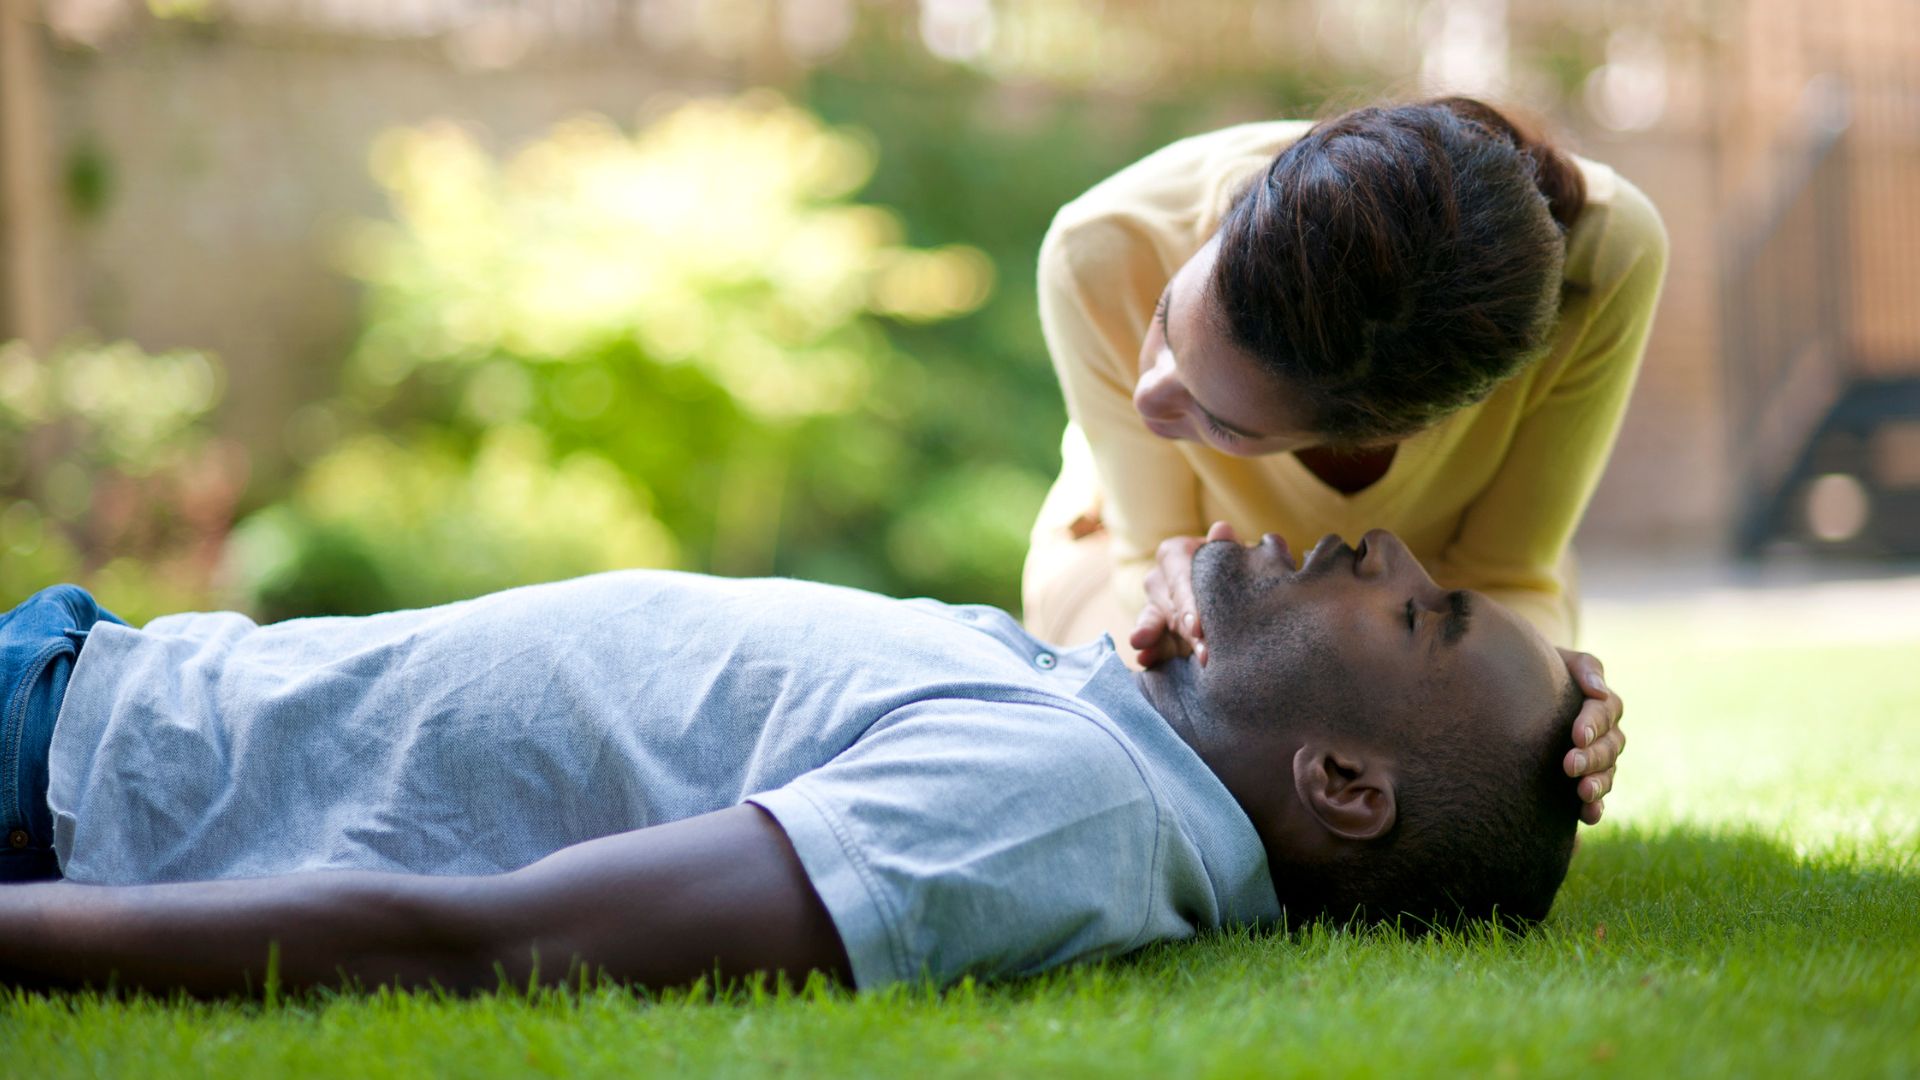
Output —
(1351, 795)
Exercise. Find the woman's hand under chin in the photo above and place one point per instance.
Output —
(1169, 625)
(1597, 738)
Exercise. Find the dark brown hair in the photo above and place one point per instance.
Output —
(1484, 833)
(1396, 263)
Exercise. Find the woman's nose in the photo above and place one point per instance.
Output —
(1159, 394)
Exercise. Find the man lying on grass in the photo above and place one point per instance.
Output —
(665, 776)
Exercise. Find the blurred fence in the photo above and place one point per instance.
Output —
(1822, 381)
(1788, 335)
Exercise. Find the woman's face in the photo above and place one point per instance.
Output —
(1195, 384)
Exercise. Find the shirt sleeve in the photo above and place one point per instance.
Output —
(1514, 536)
(1098, 283)
(983, 838)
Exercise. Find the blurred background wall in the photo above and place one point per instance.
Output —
(255, 190)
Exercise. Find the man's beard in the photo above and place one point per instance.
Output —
(1268, 646)
(1223, 574)
(1225, 587)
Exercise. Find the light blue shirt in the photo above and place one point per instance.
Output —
(964, 798)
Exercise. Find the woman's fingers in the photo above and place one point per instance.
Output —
(1601, 757)
(1605, 754)
(1591, 676)
(1151, 626)
(1594, 788)
(1170, 626)
(1189, 607)
(1586, 670)
(1597, 738)
(1170, 584)
(1153, 639)
(1599, 716)
(1592, 755)
(1178, 565)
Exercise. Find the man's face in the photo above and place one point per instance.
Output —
(1361, 633)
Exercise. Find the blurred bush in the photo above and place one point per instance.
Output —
(660, 349)
(376, 525)
(109, 476)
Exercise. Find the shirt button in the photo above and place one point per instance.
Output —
(1045, 661)
(18, 838)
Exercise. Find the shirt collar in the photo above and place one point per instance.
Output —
(1235, 859)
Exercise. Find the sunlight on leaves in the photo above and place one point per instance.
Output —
(607, 348)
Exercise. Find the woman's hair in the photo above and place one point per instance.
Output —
(1397, 263)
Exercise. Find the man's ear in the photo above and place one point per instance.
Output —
(1351, 796)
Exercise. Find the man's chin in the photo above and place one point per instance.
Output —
(1219, 570)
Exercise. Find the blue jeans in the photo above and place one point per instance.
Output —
(39, 642)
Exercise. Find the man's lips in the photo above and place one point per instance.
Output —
(1280, 548)
(1328, 544)
(1276, 544)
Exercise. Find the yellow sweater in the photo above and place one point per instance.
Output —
(1488, 499)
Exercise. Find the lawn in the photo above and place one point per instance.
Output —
(1751, 906)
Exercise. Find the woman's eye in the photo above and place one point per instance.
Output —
(1410, 619)
(1219, 432)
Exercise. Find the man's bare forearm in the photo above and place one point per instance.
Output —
(721, 893)
(213, 938)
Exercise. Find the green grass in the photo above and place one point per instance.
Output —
(1750, 906)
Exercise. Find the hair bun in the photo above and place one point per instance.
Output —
(1557, 177)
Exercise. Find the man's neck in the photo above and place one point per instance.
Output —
(1172, 689)
(1256, 776)
(1168, 687)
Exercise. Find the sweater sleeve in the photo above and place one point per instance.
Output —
(1513, 538)
(1098, 282)
(1103, 264)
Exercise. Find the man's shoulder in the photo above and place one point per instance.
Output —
(1047, 735)
(990, 830)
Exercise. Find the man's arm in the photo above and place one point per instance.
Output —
(723, 892)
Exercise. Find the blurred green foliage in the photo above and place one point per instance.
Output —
(378, 525)
(610, 350)
(693, 346)
(740, 337)
(110, 477)
(746, 336)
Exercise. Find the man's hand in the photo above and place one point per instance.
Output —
(1597, 738)
(1169, 625)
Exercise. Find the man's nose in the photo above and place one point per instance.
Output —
(1376, 553)
(1159, 394)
